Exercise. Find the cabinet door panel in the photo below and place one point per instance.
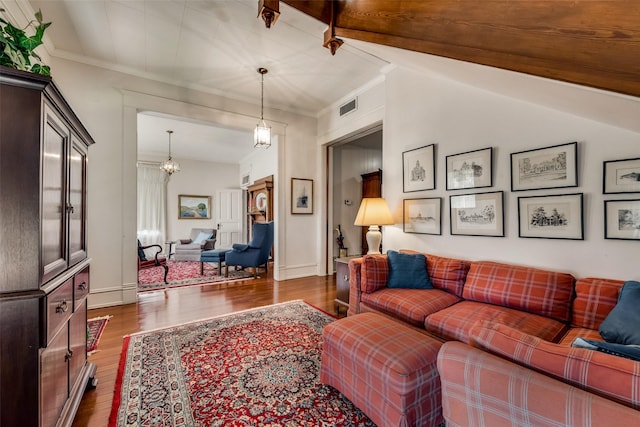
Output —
(77, 203)
(77, 342)
(54, 250)
(54, 385)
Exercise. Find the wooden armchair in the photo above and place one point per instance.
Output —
(157, 261)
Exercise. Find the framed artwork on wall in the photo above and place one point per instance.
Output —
(418, 169)
(473, 169)
(622, 219)
(422, 216)
(621, 176)
(551, 217)
(194, 207)
(301, 196)
(479, 214)
(548, 167)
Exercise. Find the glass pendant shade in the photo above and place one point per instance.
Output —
(170, 166)
(262, 133)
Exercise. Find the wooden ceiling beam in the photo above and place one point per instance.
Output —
(593, 43)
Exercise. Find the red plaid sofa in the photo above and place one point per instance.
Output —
(529, 316)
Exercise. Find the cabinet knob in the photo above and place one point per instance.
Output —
(68, 356)
(345, 278)
(82, 286)
(70, 208)
(62, 307)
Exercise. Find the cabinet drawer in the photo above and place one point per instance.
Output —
(59, 305)
(80, 288)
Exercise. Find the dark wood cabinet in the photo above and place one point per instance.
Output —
(342, 283)
(259, 202)
(45, 279)
(371, 187)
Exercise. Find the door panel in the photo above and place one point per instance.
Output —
(230, 216)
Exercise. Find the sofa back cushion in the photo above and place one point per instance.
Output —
(448, 274)
(547, 293)
(610, 376)
(595, 298)
(374, 273)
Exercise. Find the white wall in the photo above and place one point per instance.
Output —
(107, 102)
(424, 108)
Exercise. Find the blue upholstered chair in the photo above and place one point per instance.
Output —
(256, 253)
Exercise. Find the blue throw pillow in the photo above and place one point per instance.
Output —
(408, 271)
(622, 324)
(202, 236)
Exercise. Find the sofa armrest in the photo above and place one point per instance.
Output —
(355, 291)
(481, 389)
(613, 377)
(209, 244)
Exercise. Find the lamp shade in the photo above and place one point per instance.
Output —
(374, 211)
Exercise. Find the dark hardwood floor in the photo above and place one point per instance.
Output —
(160, 309)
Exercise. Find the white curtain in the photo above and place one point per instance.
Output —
(151, 205)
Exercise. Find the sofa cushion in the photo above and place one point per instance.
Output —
(595, 298)
(622, 324)
(573, 333)
(408, 271)
(455, 322)
(609, 376)
(374, 273)
(410, 305)
(547, 293)
(445, 273)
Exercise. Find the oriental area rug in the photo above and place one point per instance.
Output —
(186, 273)
(258, 367)
(95, 328)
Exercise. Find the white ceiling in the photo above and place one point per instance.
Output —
(214, 46)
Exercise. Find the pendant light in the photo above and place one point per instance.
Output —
(169, 166)
(262, 134)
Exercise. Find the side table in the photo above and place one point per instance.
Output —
(171, 245)
(342, 282)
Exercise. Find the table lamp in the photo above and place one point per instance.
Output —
(374, 212)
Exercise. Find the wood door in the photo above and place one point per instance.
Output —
(229, 218)
(371, 187)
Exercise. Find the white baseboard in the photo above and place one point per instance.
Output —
(297, 271)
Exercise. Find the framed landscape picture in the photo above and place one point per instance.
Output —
(194, 207)
(621, 176)
(472, 169)
(551, 217)
(479, 214)
(301, 196)
(418, 170)
(422, 216)
(549, 167)
(622, 219)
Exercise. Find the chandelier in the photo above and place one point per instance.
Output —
(262, 134)
(169, 166)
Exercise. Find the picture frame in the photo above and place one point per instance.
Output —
(418, 169)
(551, 217)
(621, 176)
(422, 216)
(473, 169)
(194, 207)
(622, 219)
(301, 196)
(549, 167)
(477, 214)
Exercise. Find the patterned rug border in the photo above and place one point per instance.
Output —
(117, 396)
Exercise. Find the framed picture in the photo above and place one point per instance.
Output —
(422, 216)
(479, 214)
(621, 176)
(301, 196)
(194, 207)
(551, 217)
(549, 167)
(473, 169)
(622, 219)
(418, 171)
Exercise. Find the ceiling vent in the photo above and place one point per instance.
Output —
(349, 107)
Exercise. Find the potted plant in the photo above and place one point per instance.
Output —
(17, 48)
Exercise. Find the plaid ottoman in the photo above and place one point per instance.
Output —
(385, 368)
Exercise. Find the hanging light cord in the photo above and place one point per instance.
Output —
(262, 96)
